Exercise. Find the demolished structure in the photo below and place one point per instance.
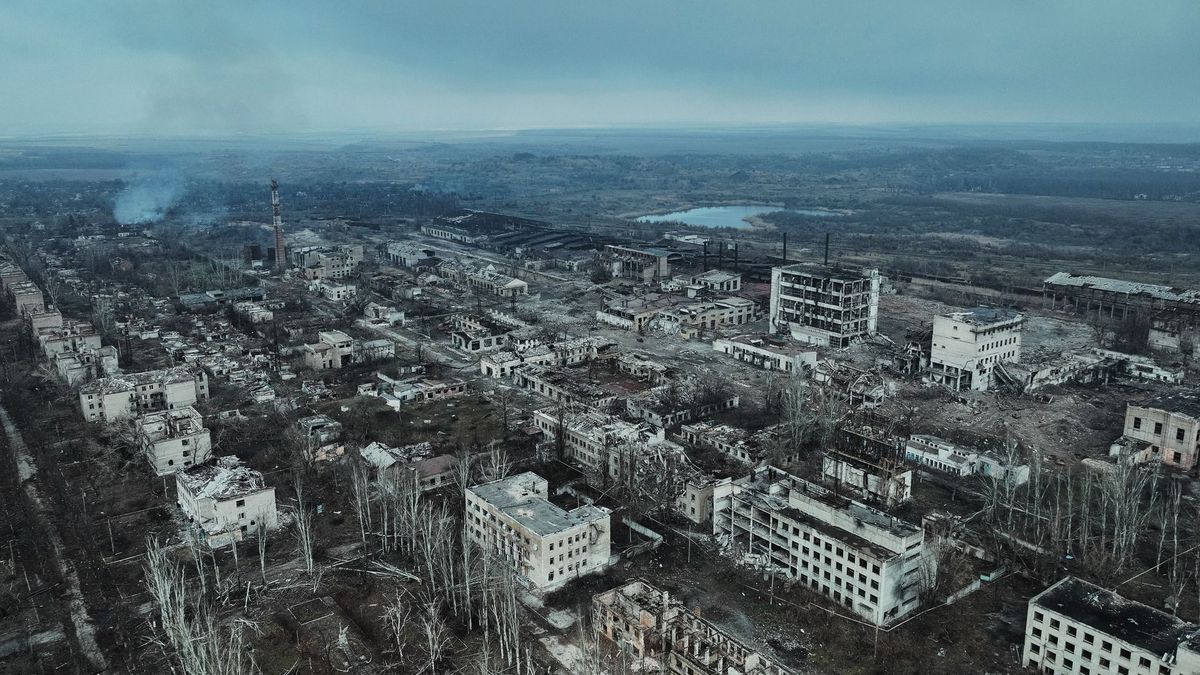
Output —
(648, 623)
(224, 500)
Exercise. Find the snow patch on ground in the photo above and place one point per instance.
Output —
(562, 619)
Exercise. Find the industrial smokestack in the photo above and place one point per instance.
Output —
(785, 247)
(826, 249)
(277, 221)
(704, 263)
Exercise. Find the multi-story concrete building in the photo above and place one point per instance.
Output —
(1077, 628)
(824, 306)
(38, 319)
(72, 336)
(26, 296)
(766, 352)
(513, 519)
(224, 500)
(119, 397)
(969, 346)
(646, 622)
(946, 457)
(874, 564)
(86, 364)
(1166, 428)
(882, 480)
(173, 440)
(647, 265)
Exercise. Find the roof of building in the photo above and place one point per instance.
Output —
(1127, 287)
(985, 316)
(383, 456)
(222, 479)
(1184, 402)
(1127, 620)
(131, 381)
(520, 498)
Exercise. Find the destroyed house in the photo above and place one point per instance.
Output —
(224, 500)
(416, 462)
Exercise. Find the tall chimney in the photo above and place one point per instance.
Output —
(704, 264)
(785, 247)
(277, 221)
(826, 249)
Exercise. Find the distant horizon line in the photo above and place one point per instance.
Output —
(415, 134)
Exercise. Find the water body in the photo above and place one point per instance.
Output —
(729, 216)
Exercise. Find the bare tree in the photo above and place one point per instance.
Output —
(304, 528)
(436, 637)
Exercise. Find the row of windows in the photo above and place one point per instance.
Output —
(1180, 432)
(1087, 641)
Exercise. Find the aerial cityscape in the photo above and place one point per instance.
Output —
(530, 341)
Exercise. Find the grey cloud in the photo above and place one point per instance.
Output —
(289, 66)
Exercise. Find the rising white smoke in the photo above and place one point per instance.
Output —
(148, 198)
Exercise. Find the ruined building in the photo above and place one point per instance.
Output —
(647, 622)
(824, 306)
(969, 347)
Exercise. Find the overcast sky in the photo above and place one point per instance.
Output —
(169, 67)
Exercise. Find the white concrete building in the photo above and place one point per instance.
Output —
(332, 349)
(513, 519)
(968, 346)
(26, 296)
(719, 281)
(173, 440)
(1166, 428)
(119, 397)
(72, 336)
(224, 501)
(337, 292)
(1077, 628)
(873, 564)
(87, 364)
(766, 352)
(416, 462)
(946, 457)
(824, 306)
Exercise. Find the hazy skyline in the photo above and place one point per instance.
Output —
(223, 67)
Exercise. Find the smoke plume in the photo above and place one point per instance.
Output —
(148, 198)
